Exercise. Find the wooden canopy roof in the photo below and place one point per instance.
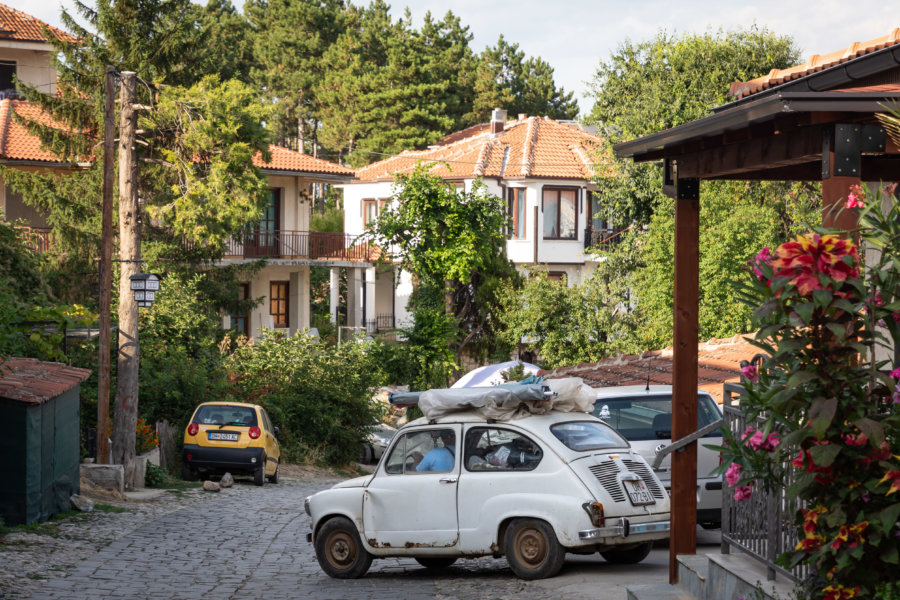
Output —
(789, 131)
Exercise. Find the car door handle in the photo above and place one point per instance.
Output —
(448, 480)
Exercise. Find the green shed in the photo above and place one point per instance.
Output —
(40, 414)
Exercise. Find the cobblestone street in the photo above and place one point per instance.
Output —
(249, 542)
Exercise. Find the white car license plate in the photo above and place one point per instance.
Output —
(225, 436)
(638, 492)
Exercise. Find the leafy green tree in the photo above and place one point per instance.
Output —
(453, 243)
(648, 86)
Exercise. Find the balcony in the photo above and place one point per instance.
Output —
(301, 244)
(603, 239)
(39, 239)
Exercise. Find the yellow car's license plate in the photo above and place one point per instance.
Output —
(224, 436)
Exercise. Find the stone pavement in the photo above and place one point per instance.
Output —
(249, 542)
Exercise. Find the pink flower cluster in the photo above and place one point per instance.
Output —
(758, 440)
(855, 197)
(750, 373)
(743, 492)
(763, 257)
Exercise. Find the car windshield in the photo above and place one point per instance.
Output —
(643, 418)
(583, 436)
(222, 414)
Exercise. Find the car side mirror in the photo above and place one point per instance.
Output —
(275, 431)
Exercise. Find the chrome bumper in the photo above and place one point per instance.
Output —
(623, 528)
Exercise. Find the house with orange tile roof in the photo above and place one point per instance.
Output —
(281, 236)
(544, 170)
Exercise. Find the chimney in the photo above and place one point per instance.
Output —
(522, 116)
(498, 120)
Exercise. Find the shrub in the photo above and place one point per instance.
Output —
(317, 394)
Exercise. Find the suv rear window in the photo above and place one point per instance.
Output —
(650, 417)
(222, 414)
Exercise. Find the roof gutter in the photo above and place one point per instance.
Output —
(842, 73)
(325, 177)
(759, 109)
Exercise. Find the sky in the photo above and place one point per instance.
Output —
(575, 36)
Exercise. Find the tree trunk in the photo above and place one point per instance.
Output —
(128, 360)
(301, 141)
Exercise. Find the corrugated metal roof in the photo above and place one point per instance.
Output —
(31, 381)
(719, 361)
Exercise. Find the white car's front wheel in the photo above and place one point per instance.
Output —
(532, 550)
(339, 550)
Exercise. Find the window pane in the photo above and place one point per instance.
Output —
(520, 223)
(584, 436)
(494, 449)
(567, 214)
(551, 214)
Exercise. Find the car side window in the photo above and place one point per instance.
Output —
(498, 449)
(431, 450)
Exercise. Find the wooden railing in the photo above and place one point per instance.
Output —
(301, 244)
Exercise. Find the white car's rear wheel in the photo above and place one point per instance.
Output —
(532, 550)
(339, 550)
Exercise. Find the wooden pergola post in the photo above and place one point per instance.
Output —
(683, 538)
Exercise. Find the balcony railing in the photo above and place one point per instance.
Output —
(39, 239)
(301, 244)
(603, 238)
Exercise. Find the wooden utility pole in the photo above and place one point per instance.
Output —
(105, 283)
(125, 417)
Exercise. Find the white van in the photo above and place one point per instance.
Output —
(643, 416)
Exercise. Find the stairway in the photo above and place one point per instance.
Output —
(716, 577)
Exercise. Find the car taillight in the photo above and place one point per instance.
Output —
(595, 512)
(193, 428)
(254, 432)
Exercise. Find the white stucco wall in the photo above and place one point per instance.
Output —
(33, 64)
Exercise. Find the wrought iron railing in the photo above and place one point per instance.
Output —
(761, 526)
(300, 244)
(380, 323)
(39, 239)
(603, 238)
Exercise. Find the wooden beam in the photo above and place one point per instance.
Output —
(683, 538)
(760, 154)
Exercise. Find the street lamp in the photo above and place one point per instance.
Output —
(144, 286)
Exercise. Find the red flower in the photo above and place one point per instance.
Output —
(804, 259)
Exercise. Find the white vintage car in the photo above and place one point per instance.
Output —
(462, 485)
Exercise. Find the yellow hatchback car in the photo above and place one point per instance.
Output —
(234, 437)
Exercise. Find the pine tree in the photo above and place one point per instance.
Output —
(290, 38)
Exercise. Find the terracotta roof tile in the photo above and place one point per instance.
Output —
(816, 63)
(16, 25)
(30, 381)
(719, 361)
(533, 147)
(285, 159)
(16, 142)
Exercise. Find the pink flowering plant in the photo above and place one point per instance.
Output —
(823, 408)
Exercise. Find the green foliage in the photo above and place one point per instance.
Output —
(317, 394)
(214, 189)
(664, 82)
(567, 325)
(653, 85)
(156, 476)
(453, 243)
(181, 365)
(820, 314)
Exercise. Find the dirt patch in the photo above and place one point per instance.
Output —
(313, 474)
